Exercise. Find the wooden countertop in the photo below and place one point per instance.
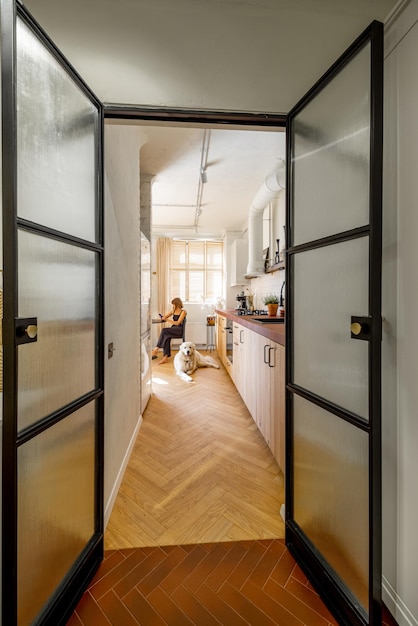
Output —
(274, 332)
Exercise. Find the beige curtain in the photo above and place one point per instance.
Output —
(163, 274)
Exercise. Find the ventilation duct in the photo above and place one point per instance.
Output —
(269, 190)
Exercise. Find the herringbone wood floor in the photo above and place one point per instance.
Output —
(199, 456)
(200, 470)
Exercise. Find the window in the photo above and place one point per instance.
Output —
(196, 270)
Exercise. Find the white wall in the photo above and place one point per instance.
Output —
(230, 293)
(400, 305)
(273, 220)
(271, 282)
(122, 244)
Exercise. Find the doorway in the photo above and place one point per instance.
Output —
(175, 142)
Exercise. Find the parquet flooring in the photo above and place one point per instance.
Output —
(233, 584)
(239, 583)
(200, 493)
(200, 470)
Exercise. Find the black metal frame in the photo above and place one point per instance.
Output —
(193, 116)
(337, 596)
(61, 604)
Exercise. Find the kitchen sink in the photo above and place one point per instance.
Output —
(268, 320)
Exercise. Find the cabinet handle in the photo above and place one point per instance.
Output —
(266, 360)
(274, 357)
(241, 333)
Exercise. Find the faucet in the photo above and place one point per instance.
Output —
(281, 294)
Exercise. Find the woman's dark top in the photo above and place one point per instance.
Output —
(175, 318)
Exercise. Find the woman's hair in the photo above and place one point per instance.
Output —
(177, 303)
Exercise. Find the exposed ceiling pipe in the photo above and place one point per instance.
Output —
(202, 176)
(269, 190)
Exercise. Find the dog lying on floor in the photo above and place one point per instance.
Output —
(188, 359)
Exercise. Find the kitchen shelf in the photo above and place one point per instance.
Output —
(276, 267)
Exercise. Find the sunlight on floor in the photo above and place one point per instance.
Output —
(159, 381)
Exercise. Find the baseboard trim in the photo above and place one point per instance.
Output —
(113, 494)
(396, 606)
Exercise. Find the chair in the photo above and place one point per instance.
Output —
(181, 339)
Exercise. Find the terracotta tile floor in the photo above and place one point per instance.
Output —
(232, 584)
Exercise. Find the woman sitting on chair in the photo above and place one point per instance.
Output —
(174, 332)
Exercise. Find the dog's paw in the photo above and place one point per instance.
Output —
(186, 377)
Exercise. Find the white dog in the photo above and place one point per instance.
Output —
(188, 359)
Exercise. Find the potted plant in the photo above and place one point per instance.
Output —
(272, 303)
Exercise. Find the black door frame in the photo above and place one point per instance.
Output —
(340, 602)
(61, 604)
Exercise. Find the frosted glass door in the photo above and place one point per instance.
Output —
(53, 419)
(333, 492)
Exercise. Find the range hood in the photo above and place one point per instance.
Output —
(269, 190)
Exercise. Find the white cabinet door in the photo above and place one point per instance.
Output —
(258, 374)
(277, 403)
(222, 337)
(263, 390)
(237, 356)
(269, 381)
(239, 262)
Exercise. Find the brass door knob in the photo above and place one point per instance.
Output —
(356, 328)
(26, 330)
(361, 327)
(31, 331)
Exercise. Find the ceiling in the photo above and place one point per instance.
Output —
(232, 55)
(233, 164)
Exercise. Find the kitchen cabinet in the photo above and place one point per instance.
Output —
(239, 262)
(277, 399)
(258, 373)
(223, 339)
(220, 337)
(270, 387)
(239, 364)
(243, 365)
(264, 359)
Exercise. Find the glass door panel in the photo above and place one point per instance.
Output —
(53, 391)
(333, 332)
(327, 361)
(331, 155)
(55, 513)
(56, 141)
(57, 282)
(331, 469)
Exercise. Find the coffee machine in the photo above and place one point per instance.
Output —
(241, 302)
